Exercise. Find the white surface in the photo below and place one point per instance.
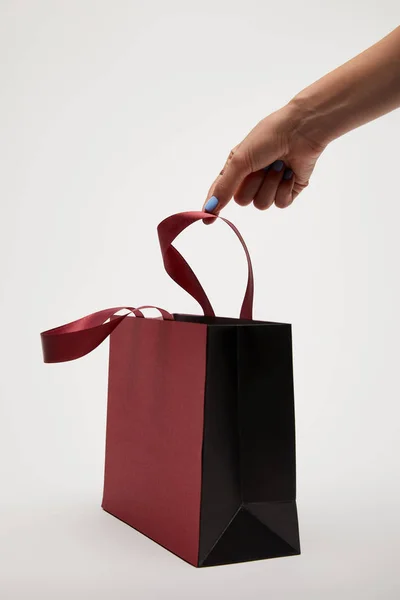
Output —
(113, 116)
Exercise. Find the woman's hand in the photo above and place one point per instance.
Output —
(273, 164)
(275, 161)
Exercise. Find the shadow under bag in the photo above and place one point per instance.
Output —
(200, 444)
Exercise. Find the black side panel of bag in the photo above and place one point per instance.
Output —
(266, 413)
(248, 508)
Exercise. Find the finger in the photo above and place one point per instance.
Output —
(209, 195)
(236, 169)
(265, 196)
(284, 193)
(211, 190)
(249, 188)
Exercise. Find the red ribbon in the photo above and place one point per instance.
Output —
(178, 269)
(80, 337)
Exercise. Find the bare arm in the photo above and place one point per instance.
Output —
(273, 164)
(363, 89)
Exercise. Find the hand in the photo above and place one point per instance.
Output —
(273, 164)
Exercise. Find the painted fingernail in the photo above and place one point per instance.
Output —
(277, 166)
(288, 174)
(266, 169)
(211, 204)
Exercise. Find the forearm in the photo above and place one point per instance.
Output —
(366, 87)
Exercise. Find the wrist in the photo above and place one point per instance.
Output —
(314, 121)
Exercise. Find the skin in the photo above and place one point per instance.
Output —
(361, 90)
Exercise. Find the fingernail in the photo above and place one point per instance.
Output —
(211, 204)
(266, 169)
(288, 174)
(277, 166)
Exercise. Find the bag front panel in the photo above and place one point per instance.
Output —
(155, 430)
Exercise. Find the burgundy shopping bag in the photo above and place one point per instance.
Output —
(200, 443)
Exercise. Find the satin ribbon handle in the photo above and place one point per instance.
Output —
(80, 337)
(165, 315)
(179, 270)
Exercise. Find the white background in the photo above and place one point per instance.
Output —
(114, 115)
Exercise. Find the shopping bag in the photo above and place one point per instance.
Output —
(200, 439)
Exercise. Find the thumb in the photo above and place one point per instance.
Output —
(236, 169)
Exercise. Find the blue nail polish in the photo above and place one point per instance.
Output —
(211, 204)
(288, 174)
(266, 169)
(278, 166)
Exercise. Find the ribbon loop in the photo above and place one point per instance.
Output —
(179, 270)
(80, 337)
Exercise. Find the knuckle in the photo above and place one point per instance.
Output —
(283, 201)
(262, 207)
(240, 162)
(262, 204)
(280, 204)
(242, 199)
(301, 185)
